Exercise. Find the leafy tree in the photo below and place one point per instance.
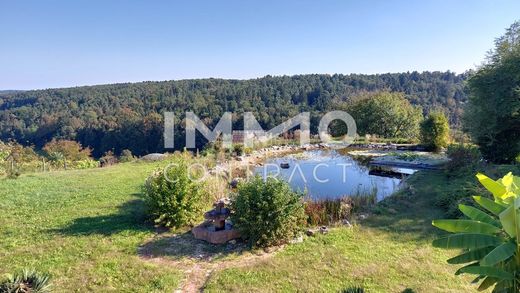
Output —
(435, 131)
(490, 237)
(386, 114)
(492, 116)
(66, 150)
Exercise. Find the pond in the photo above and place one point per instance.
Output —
(329, 174)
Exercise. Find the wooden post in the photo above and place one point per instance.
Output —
(43, 161)
(65, 163)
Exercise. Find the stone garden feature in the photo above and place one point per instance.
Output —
(215, 229)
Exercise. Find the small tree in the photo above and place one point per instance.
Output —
(267, 212)
(66, 150)
(386, 114)
(173, 198)
(435, 131)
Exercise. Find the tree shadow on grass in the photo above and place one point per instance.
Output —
(131, 217)
(408, 214)
(184, 245)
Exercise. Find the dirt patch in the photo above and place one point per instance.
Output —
(198, 259)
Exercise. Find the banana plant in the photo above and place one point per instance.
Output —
(489, 237)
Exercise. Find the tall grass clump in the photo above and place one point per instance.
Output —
(328, 211)
(333, 210)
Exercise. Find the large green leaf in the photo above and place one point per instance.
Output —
(488, 282)
(507, 180)
(500, 253)
(472, 255)
(489, 205)
(497, 189)
(508, 219)
(467, 240)
(473, 264)
(478, 215)
(465, 226)
(487, 271)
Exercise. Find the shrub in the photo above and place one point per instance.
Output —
(435, 131)
(16, 159)
(108, 159)
(126, 156)
(464, 158)
(238, 149)
(173, 198)
(249, 151)
(267, 212)
(489, 237)
(26, 281)
(87, 164)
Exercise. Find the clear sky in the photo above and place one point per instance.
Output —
(55, 43)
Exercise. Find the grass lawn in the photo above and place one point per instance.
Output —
(86, 227)
(83, 227)
(389, 252)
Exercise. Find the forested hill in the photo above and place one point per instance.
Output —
(129, 116)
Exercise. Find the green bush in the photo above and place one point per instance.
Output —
(173, 198)
(267, 212)
(108, 159)
(238, 149)
(26, 281)
(87, 164)
(126, 156)
(464, 158)
(435, 131)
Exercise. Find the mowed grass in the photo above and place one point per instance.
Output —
(83, 227)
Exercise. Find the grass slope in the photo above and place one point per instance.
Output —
(84, 227)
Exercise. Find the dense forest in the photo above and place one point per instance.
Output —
(129, 116)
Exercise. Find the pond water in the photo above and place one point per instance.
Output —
(329, 174)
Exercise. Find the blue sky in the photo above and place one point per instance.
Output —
(50, 43)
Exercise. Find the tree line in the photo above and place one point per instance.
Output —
(130, 115)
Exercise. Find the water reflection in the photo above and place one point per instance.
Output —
(328, 174)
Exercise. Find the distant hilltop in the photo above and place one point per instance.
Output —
(129, 115)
